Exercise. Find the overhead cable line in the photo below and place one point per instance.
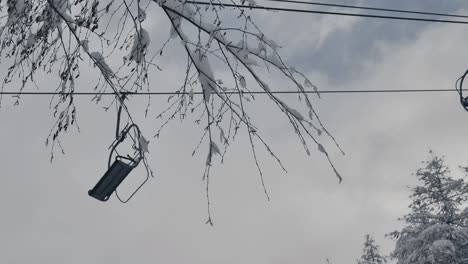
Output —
(257, 92)
(368, 8)
(269, 8)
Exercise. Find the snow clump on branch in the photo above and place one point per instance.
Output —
(60, 36)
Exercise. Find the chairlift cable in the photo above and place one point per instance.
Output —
(295, 10)
(368, 8)
(235, 92)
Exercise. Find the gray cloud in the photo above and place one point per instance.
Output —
(47, 216)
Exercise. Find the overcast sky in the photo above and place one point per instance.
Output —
(48, 217)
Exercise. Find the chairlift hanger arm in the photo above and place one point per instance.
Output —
(459, 87)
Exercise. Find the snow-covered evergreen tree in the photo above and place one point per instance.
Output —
(436, 228)
(370, 253)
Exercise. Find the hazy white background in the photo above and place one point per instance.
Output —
(47, 216)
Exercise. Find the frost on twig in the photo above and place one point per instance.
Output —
(241, 49)
(60, 37)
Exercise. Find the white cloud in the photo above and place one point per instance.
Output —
(47, 216)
